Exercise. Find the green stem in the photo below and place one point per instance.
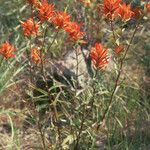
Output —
(80, 130)
(112, 29)
(1, 61)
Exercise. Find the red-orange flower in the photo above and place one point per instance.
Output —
(73, 29)
(99, 56)
(46, 11)
(137, 12)
(61, 19)
(119, 48)
(30, 27)
(124, 11)
(6, 50)
(147, 6)
(35, 55)
(110, 6)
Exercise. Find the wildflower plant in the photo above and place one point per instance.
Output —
(68, 115)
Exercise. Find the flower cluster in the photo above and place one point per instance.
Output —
(30, 27)
(35, 55)
(7, 50)
(99, 56)
(61, 19)
(117, 8)
(124, 11)
(119, 48)
(147, 6)
(73, 29)
(46, 11)
(110, 7)
(137, 12)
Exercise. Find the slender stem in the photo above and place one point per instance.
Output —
(118, 77)
(45, 80)
(53, 40)
(94, 90)
(30, 63)
(147, 1)
(1, 61)
(92, 102)
(42, 135)
(80, 130)
(112, 29)
(77, 67)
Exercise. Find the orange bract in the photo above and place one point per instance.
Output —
(119, 49)
(30, 27)
(46, 11)
(124, 11)
(99, 56)
(74, 31)
(110, 6)
(137, 12)
(61, 19)
(35, 55)
(147, 6)
(6, 50)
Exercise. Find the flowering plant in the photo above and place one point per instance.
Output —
(75, 56)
